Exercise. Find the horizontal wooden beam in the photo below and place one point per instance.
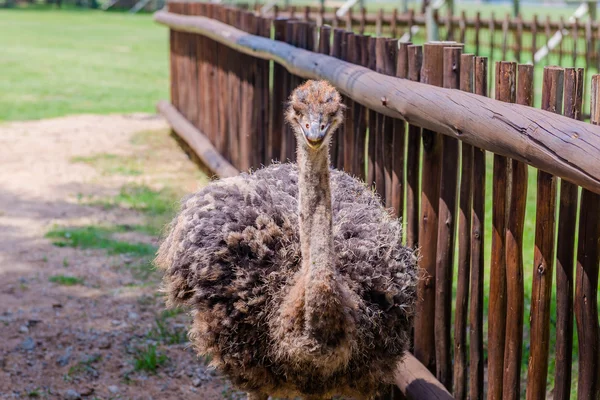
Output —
(556, 144)
(197, 141)
(416, 382)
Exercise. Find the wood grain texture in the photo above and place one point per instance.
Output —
(424, 337)
(417, 382)
(505, 129)
(514, 255)
(506, 74)
(446, 232)
(360, 116)
(543, 257)
(476, 354)
(413, 157)
(464, 246)
(372, 119)
(586, 280)
(565, 252)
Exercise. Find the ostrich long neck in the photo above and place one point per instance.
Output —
(324, 305)
(316, 231)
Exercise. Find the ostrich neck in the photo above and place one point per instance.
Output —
(316, 231)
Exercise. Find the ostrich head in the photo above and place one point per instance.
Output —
(315, 111)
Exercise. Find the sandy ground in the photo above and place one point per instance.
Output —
(79, 341)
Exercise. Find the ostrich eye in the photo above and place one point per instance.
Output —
(322, 127)
(307, 126)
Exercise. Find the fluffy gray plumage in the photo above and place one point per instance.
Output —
(233, 254)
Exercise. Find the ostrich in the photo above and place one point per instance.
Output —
(295, 275)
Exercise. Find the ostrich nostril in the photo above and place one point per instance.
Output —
(322, 127)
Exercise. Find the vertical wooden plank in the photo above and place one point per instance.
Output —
(203, 81)
(476, 355)
(387, 142)
(586, 281)
(264, 103)
(505, 91)
(537, 373)
(246, 76)
(291, 37)
(173, 59)
(446, 231)
(324, 40)
(565, 252)
(337, 158)
(464, 246)
(514, 255)
(413, 157)
(235, 71)
(372, 121)
(424, 339)
(492, 35)
(548, 32)
(223, 91)
(379, 140)
(360, 115)
(349, 131)
(394, 23)
(399, 140)
(277, 130)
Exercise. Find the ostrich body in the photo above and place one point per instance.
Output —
(295, 274)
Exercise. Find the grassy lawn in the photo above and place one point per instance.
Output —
(59, 62)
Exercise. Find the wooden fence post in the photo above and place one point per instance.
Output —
(586, 281)
(537, 373)
(413, 157)
(432, 74)
(476, 355)
(517, 199)
(505, 91)
(446, 231)
(565, 253)
(464, 246)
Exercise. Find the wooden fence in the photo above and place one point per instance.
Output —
(497, 37)
(418, 127)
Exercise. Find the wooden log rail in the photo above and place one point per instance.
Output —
(561, 146)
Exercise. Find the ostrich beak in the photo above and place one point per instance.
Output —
(315, 134)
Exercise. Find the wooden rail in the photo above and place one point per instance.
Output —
(563, 147)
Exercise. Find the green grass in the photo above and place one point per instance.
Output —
(98, 237)
(112, 164)
(149, 359)
(65, 280)
(73, 61)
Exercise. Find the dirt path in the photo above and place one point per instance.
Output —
(81, 318)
